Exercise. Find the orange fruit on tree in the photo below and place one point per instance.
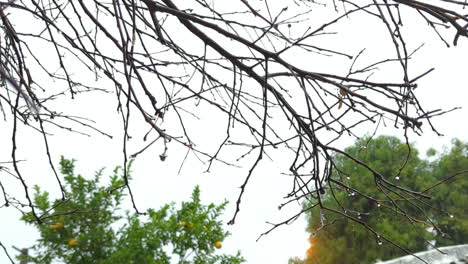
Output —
(72, 242)
(218, 244)
(56, 226)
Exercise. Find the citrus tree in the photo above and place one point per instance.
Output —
(89, 227)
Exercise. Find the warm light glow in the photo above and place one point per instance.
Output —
(310, 247)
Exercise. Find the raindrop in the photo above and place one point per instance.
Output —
(352, 194)
(347, 177)
(359, 216)
(451, 216)
(379, 242)
(397, 177)
(378, 205)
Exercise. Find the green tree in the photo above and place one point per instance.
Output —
(451, 197)
(339, 239)
(88, 227)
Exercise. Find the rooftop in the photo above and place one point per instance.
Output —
(444, 255)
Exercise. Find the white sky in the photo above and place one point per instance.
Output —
(156, 183)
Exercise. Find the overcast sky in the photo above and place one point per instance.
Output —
(156, 183)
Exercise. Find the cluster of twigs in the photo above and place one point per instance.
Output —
(164, 58)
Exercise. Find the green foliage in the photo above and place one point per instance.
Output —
(336, 238)
(87, 227)
(452, 196)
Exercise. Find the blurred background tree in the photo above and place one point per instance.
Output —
(452, 196)
(88, 227)
(374, 226)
